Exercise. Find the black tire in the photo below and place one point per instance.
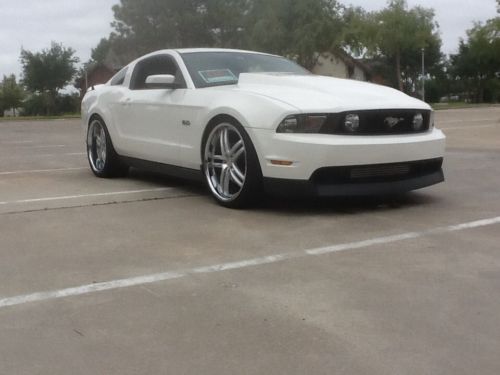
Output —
(246, 163)
(104, 162)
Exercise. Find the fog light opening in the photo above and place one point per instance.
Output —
(418, 122)
(351, 122)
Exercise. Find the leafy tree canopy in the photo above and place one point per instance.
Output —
(397, 34)
(11, 93)
(297, 28)
(49, 70)
(478, 58)
(100, 52)
(148, 25)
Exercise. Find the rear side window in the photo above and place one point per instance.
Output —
(119, 77)
(158, 64)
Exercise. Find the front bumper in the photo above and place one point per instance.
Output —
(310, 152)
(322, 164)
(380, 179)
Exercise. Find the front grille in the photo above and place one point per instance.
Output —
(377, 122)
(376, 172)
(380, 171)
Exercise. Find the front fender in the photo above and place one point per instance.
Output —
(251, 110)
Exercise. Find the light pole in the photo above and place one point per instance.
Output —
(423, 74)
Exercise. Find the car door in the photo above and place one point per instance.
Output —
(147, 119)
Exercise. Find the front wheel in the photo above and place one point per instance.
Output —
(231, 166)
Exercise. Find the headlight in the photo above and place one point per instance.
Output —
(288, 125)
(302, 124)
(431, 121)
(351, 122)
(418, 122)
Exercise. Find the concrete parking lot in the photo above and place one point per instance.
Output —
(147, 275)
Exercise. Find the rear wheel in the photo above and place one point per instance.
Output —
(230, 165)
(103, 159)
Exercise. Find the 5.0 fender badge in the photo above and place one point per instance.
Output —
(186, 122)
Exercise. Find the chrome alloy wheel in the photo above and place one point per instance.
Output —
(225, 162)
(96, 146)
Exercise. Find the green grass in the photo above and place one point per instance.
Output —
(34, 118)
(458, 105)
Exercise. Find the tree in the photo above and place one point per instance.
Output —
(227, 22)
(2, 107)
(143, 26)
(101, 51)
(11, 94)
(478, 60)
(298, 29)
(150, 24)
(48, 71)
(398, 34)
(402, 35)
(359, 30)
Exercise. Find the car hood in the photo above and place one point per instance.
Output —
(313, 93)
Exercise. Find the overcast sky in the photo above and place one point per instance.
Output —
(33, 24)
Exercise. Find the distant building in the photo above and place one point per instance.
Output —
(99, 72)
(94, 75)
(12, 112)
(339, 64)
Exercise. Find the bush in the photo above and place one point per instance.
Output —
(37, 105)
(433, 91)
(492, 91)
(68, 104)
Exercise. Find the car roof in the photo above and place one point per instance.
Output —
(193, 50)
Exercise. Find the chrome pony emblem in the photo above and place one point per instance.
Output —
(392, 121)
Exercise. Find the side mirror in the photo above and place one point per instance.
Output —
(161, 81)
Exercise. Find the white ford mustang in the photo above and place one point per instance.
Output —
(248, 122)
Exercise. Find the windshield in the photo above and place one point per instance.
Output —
(209, 69)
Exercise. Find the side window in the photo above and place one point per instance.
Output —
(119, 77)
(159, 64)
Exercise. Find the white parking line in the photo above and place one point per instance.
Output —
(29, 171)
(46, 146)
(157, 277)
(61, 154)
(468, 127)
(467, 121)
(45, 155)
(67, 153)
(16, 142)
(68, 197)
